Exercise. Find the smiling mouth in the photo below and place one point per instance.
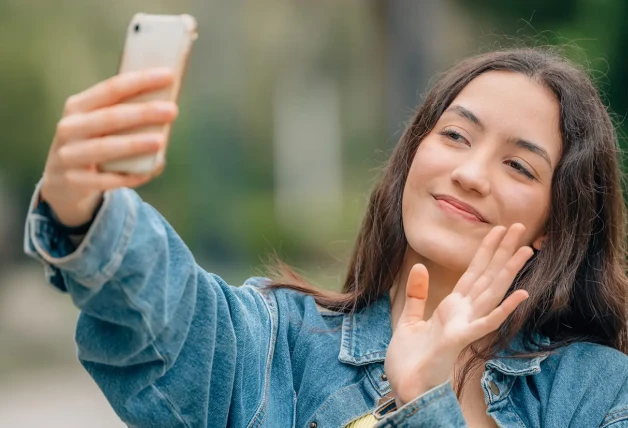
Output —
(458, 208)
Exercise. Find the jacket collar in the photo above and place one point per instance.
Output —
(506, 364)
(366, 335)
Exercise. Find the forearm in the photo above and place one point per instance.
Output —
(131, 276)
(153, 323)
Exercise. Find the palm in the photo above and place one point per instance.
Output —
(453, 316)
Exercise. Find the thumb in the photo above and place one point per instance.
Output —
(416, 294)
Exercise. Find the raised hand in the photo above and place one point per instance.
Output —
(72, 184)
(422, 353)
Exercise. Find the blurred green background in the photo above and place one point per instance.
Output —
(287, 112)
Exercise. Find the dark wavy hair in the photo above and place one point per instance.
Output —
(577, 282)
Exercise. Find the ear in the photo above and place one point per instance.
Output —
(537, 244)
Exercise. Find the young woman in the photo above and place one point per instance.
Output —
(505, 188)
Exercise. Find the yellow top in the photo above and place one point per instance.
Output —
(366, 421)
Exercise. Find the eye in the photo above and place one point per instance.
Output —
(517, 166)
(454, 135)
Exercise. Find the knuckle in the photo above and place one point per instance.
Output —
(110, 117)
(512, 267)
(64, 128)
(103, 146)
(64, 155)
(98, 144)
(71, 105)
(114, 86)
(485, 278)
(102, 149)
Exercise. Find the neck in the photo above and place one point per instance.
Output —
(442, 282)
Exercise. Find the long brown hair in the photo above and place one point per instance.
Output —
(577, 283)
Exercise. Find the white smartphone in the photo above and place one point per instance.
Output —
(155, 41)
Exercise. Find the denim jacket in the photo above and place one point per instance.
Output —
(171, 345)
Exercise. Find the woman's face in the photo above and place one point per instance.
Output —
(488, 161)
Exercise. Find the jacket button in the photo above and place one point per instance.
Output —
(313, 425)
(494, 387)
(383, 377)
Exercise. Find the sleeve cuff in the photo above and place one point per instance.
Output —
(438, 407)
(99, 254)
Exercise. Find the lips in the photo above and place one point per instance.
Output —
(461, 206)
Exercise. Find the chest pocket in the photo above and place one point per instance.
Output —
(344, 406)
(352, 401)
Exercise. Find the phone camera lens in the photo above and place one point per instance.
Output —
(137, 28)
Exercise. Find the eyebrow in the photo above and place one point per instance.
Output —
(466, 114)
(534, 148)
(523, 144)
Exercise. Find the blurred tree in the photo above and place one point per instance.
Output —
(218, 188)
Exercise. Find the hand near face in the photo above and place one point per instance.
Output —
(422, 353)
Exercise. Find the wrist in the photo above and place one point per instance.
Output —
(403, 397)
(75, 214)
(433, 371)
(74, 224)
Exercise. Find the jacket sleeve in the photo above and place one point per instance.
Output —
(164, 339)
(436, 408)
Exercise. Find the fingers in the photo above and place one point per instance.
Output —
(117, 89)
(481, 259)
(114, 119)
(507, 247)
(100, 150)
(416, 295)
(495, 292)
(483, 326)
(102, 181)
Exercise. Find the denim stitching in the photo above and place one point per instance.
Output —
(119, 246)
(423, 403)
(123, 241)
(615, 416)
(330, 400)
(174, 409)
(375, 384)
(270, 306)
(515, 413)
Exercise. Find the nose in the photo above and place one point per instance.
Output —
(472, 174)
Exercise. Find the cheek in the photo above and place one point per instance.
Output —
(422, 167)
(431, 164)
(429, 161)
(528, 205)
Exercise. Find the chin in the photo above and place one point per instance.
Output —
(445, 247)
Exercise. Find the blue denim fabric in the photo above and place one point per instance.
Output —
(171, 345)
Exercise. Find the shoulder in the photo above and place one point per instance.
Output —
(304, 325)
(288, 301)
(596, 373)
(593, 355)
(589, 362)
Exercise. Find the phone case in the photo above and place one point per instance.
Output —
(155, 41)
